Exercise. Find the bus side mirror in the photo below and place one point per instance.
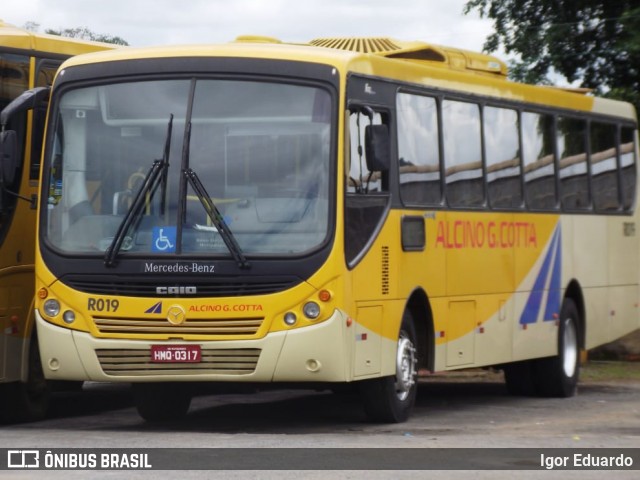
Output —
(377, 148)
(26, 101)
(8, 160)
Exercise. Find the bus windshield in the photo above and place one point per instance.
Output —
(261, 151)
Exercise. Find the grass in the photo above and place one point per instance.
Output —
(602, 371)
(591, 371)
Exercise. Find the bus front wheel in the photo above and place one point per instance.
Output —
(26, 401)
(161, 402)
(391, 399)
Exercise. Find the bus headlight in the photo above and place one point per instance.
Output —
(69, 316)
(290, 318)
(51, 307)
(311, 310)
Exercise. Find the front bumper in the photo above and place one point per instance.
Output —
(319, 353)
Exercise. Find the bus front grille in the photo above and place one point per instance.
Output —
(193, 326)
(122, 362)
(149, 286)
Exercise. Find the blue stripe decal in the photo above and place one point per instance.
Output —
(553, 298)
(155, 308)
(532, 308)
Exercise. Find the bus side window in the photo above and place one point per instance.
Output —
(539, 161)
(463, 154)
(573, 169)
(604, 166)
(502, 149)
(368, 196)
(14, 80)
(418, 151)
(46, 70)
(360, 178)
(628, 167)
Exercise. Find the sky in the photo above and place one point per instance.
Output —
(164, 22)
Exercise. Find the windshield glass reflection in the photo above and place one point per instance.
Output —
(261, 151)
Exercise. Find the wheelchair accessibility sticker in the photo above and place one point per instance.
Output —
(164, 239)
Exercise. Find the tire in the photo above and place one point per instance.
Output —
(558, 376)
(391, 399)
(162, 402)
(518, 377)
(66, 386)
(27, 401)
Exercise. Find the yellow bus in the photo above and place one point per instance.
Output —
(350, 211)
(27, 60)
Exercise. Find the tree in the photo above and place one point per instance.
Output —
(31, 26)
(84, 33)
(593, 42)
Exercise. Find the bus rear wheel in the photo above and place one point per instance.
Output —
(558, 376)
(391, 399)
(161, 402)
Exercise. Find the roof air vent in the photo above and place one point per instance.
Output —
(363, 45)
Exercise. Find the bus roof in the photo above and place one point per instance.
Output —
(412, 62)
(18, 38)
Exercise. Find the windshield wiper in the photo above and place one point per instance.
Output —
(156, 174)
(216, 218)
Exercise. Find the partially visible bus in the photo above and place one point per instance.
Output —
(27, 60)
(351, 211)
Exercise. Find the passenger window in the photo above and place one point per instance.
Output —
(502, 150)
(46, 72)
(462, 154)
(539, 161)
(14, 79)
(604, 166)
(628, 166)
(573, 171)
(418, 150)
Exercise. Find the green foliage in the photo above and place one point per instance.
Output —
(593, 42)
(83, 33)
(605, 371)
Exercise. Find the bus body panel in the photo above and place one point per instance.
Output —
(29, 60)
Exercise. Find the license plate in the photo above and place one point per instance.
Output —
(175, 353)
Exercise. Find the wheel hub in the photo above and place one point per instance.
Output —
(570, 348)
(406, 372)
